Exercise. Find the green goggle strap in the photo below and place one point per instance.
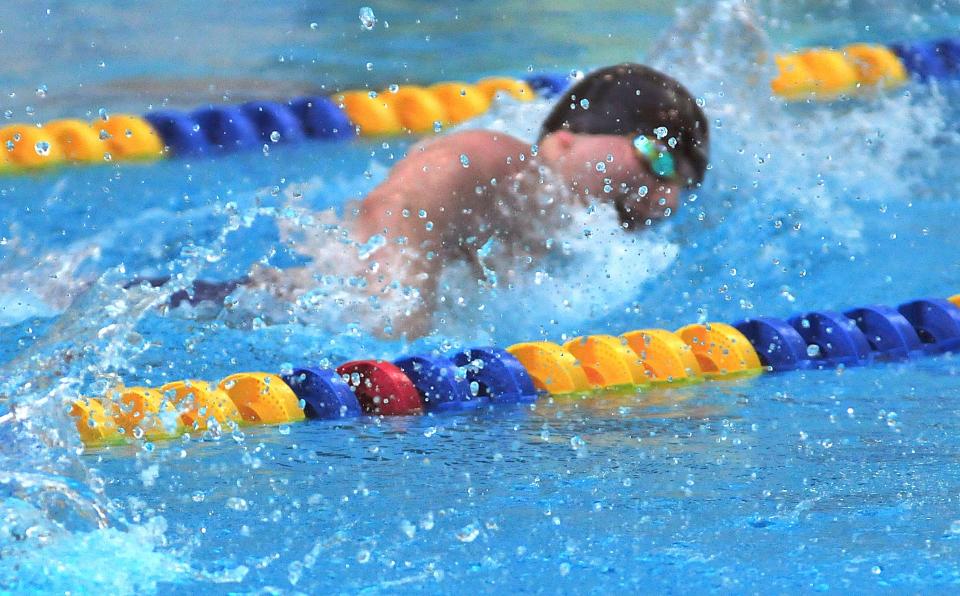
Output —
(661, 162)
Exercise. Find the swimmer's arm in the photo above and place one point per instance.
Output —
(429, 212)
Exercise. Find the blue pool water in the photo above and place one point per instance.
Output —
(829, 480)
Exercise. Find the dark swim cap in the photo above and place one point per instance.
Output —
(632, 99)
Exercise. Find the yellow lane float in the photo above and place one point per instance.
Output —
(371, 115)
(77, 139)
(141, 409)
(200, 403)
(263, 397)
(876, 65)
(129, 137)
(28, 146)
(461, 101)
(664, 355)
(834, 75)
(491, 87)
(418, 109)
(607, 361)
(94, 423)
(552, 368)
(720, 349)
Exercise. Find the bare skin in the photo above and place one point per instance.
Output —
(450, 195)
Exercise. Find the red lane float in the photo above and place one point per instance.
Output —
(381, 387)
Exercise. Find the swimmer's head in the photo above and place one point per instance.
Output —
(631, 133)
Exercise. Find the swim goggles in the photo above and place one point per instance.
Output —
(657, 155)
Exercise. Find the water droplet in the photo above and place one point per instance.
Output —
(464, 160)
(275, 136)
(237, 504)
(408, 528)
(601, 167)
(314, 26)
(42, 148)
(585, 103)
(393, 88)
(468, 533)
(367, 18)
(363, 556)
(42, 91)
(576, 442)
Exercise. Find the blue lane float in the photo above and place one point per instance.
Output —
(324, 393)
(441, 386)
(274, 122)
(936, 59)
(936, 321)
(180, 132)
(321, 118)
(227, 128)
(549, 84)
(838, 339)
(498, 375)
(859, 336)
(778, 345)
(889, 333)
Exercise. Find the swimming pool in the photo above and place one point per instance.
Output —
(826, 480)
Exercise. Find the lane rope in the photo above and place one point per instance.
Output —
(489, 377)
(819, 74)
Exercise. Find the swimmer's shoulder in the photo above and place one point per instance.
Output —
(476, 141)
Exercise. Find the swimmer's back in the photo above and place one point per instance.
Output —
(442, 177)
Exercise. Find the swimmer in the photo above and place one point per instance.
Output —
(626, 135)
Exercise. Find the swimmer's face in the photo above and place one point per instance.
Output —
(607, 166)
